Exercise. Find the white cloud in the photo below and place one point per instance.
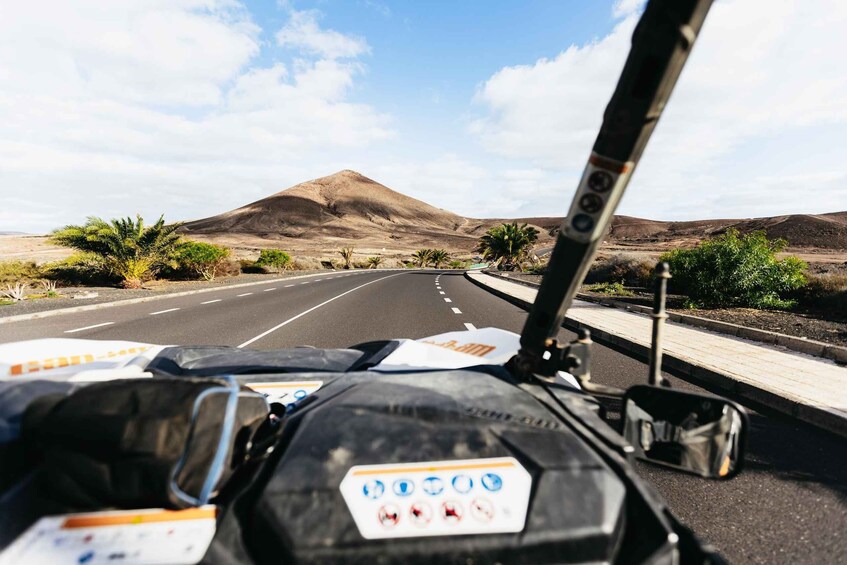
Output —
(303, 32)
(111, 107)
(623, 8)
(751, 78)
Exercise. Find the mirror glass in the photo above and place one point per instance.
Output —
(697, 433)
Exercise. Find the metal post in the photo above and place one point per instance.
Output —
(663, 273)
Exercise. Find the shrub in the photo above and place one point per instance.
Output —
(826, 291)
(201, 259)
(14, 292)
(734, 270)
(456, 264)
(631, 271)
(347, 256)
(374, 262)
(421, 257)
(273, 258)
(12, 272)
(507, 244)
(248, 266)
(610, 288)
(80, 269)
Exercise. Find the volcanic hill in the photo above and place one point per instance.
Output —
(348, 208)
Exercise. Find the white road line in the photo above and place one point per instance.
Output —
(456, 311)
(447, 300)
(312, 309)
(89, 327)
(210, 301)
(268, 289)
(318, 280)
(470, 326)
(163, 311)
(307, 282)
(440, 292)
(245, 294)
(288, 285)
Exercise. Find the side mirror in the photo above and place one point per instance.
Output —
(696, 433)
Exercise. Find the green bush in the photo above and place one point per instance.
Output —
(733, 270)
(609, 288)
(80, 269)
(274, 258)
(12, 272)
(205, 260)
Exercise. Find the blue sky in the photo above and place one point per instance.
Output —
(489, 109)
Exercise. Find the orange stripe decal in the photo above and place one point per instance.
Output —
(129, 518)
(433, 468)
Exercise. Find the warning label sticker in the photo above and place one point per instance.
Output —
(286, 392)
(153, 536)
(438, 498)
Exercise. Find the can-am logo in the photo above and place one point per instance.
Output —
(478, 349)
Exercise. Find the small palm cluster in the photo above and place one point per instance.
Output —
(434, 257)
(508, 245)
(128, 249)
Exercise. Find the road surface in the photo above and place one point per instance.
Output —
(788, 506)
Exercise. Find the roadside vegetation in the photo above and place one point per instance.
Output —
(508, 246)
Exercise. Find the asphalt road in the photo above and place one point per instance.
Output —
(788, 506)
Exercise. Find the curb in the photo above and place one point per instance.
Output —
(125, 302)
(818, 416)
(808, 346)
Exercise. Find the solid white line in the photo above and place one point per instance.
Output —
(210, 301)
(447, 300)
(245, 294)
(440, 292)
(89, 327)
(470, 326)
(163, 311)
(456, 311)
(268, 289)
(312, 309)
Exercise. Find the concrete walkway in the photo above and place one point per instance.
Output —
(808, 388)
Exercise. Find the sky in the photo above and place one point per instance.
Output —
(487, 108)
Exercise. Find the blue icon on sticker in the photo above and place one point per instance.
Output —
(300, 394)
(492, 482)
(463, 484)
(403, 487)
(373, 489)
(433, 486)
(85, 557)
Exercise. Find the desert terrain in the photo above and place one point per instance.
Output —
(347, 209)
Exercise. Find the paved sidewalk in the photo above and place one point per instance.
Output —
(808, 388)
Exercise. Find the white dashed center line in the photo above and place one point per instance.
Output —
(210, 301)
(288, 285)
(440, 292)
(470, 326)
(447, 300)
(456, 311)
(89, 327)
(307, 282)
(268, 289)
(245, 294)
(164, 311)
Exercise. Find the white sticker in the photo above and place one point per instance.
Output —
(286, 392)
(151, 536)
(438, 498)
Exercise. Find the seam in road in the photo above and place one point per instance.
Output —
(312, 309)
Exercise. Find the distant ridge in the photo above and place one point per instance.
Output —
(349, 207)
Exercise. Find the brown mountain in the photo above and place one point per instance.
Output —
(348, 208)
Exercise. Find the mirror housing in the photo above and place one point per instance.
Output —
(696, 433)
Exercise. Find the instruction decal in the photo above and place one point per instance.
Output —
(438, 498)
(286, 392)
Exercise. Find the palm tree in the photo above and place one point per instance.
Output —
(129, 249)
(347, 255)
(438, 257)
(507, 244)
(422, 257)
(374, 262)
